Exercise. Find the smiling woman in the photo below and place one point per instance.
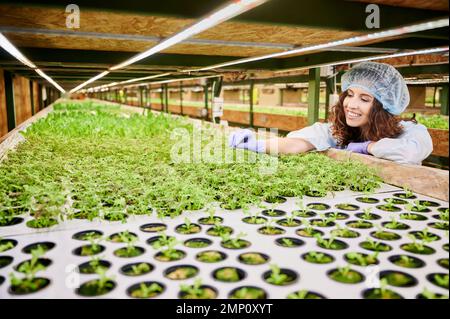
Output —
(364, 120)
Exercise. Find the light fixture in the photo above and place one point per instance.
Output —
(178, 80)
(95, 78)
(353, 40)
(371, 58)
(227, 12)
(11, 49)
(49, 79)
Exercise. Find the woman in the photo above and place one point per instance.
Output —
(365, 120)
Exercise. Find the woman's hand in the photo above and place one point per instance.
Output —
(246, 139)
(362, 148)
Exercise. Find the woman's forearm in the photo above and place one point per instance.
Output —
(287, 145)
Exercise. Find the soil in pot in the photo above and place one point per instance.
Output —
(332, 244)
(367, 200)
(88, 235)
(347, 206)
(45, 246)
(129, 252)
(318, 206)
(286, 222)
(443, 262)
(398, 278)
(210, 220)
(289, 242)
(229, 274)
(428, 203)
(337, 215)
(275, 199)
(235, 244)
(153, 228)
(96, 287)
(201, 292)
(271, 230)
(346, 275)
(41, 223)
(380, 293)
(439, 279)
(304, 213)
(388, 208)
(88, 250)
(396, 201)
(145, 290)
(316, 257)
(254, 220)
(359, 224)
(273, 212)
(170, 255)
(188, 229)
(375, 246)
(407, 261)
(219, 230)
(248, 292)
(5, 261)
(305, 294)
(28, 286)
(119, 237)
(253, 258)
(198, 243)
(411, 216)
(89, 267)
(181, 272)
(280, 276)
(211, 256)
(308, 232)
(360, 259)
(322, 223)
(405, 195)
(344, 233)
(369, 216)
(137, 269)
(416, 248)
(385, 235)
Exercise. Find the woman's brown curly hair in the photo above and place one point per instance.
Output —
(382, 124)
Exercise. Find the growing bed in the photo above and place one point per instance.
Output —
(314, 228)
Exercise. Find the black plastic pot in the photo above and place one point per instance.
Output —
(304, 213)
(242, 244)
(12, 242)
(322, 223)
(413, 262)
(415, 250)
(5, 261)
(181, 272)
(271, 231)
(382, 247)
(275, 200)
(398, 278)
(153, 227)
(229, 274)
(83, 235)
(396, 201)
(377, 293)
(79, 251)
(289, 242)
(391, 209)
(371, 216)
(355, 261)
(335, 245)
(39, 281)
(353, 277)
(292, 277)
(154, 239)
(347, 207)
(208, 292)
(86, 267)
(181, 229)
(398, 226)
(318, 206)
(115, 238)
(403, 196)
(385, 235)
(326, 259)
(45, 262)
(132, 290)
(433, 279)
(254, 221)
(367, 200)
(338, 215)
(46, 246)
(91, 288)
(127, 270)
(247, 292)
(305, 295)
(123, 252)
(211, 256)
(273, 212)
(197, 243)
(179, 255)
(209, 221)
(253, 258)
(13, 221)
(303, 232)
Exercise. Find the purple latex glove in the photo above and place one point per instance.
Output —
(361, 148)
(246, 139)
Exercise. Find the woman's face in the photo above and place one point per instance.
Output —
(357, 106)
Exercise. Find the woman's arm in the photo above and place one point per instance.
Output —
(288, 145)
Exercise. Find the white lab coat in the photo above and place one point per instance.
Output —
(410, 147)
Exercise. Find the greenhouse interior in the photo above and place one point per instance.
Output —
(215, 149)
